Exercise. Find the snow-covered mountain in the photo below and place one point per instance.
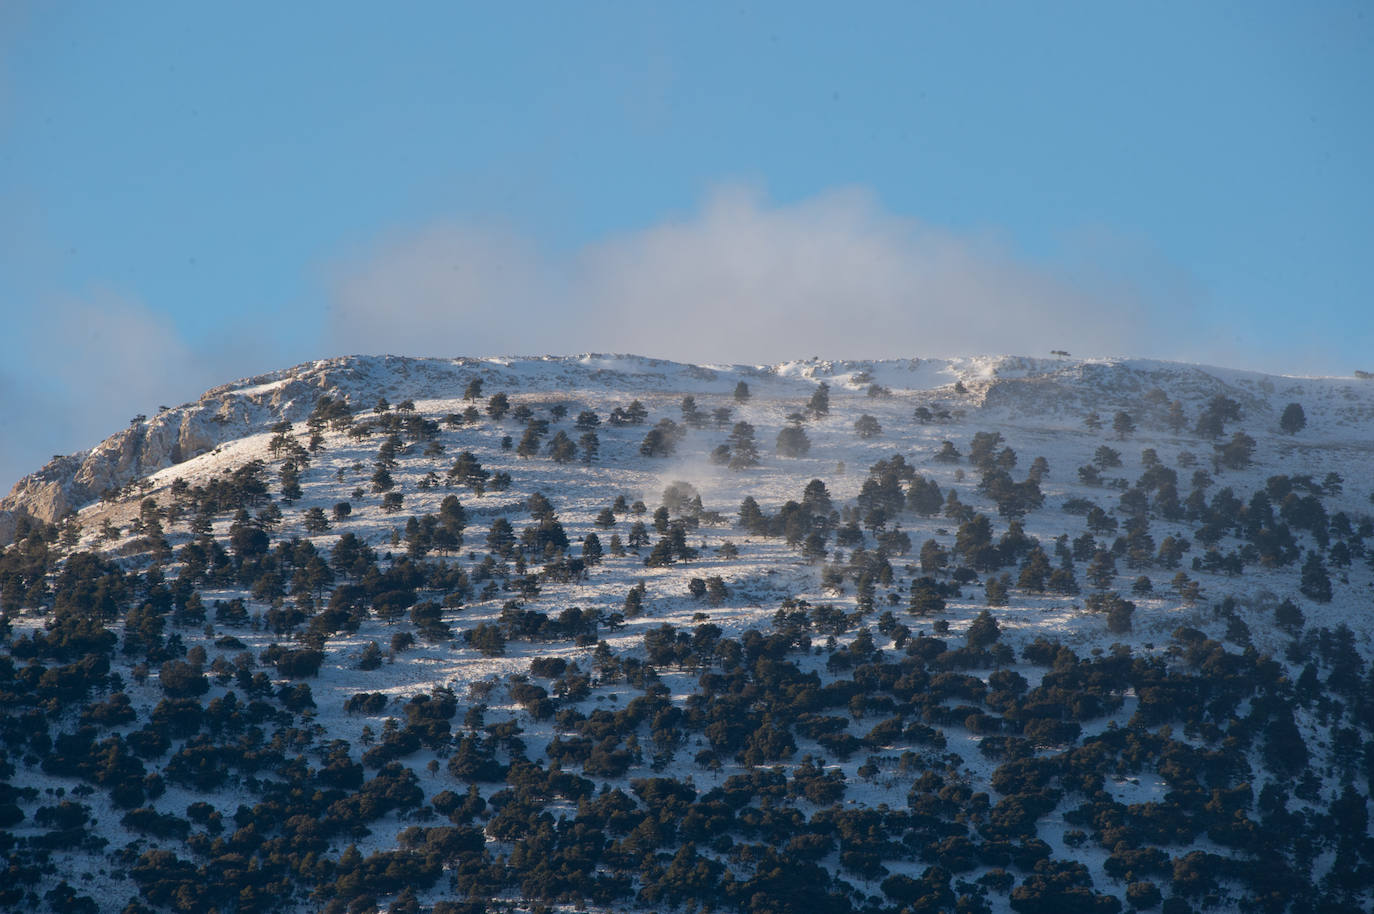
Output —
(1051, 387)
(608, 633)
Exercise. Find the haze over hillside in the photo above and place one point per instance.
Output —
(608, 633)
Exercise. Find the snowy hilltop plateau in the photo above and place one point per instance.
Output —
(609, 633)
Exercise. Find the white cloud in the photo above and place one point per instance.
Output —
(27, 434)
(739, 281)
(447, 290)
(104, 358)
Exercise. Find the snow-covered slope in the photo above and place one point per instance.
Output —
(1006, 385)
(849, 608)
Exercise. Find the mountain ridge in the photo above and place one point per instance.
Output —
(227, 411)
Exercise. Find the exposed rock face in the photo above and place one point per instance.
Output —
(68, 483)
(46, 495)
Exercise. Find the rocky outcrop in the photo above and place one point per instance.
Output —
(225, 413)
(46, 495)
(175, 435)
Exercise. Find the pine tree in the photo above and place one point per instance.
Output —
(751, 517)
(924, 496)
(498, 404)
(1063, 582)
(591, 549)
(1102, 570)
(290, 482)
(1293, 419)
(793, 442)
(1035, 571)
(743, 452)
(947, 453)
(371, 657)
(591, 446)
(933, 557)
(634, 602)
(984, 630)
(1119, 616)
(529, 442)
(561, 448)
(661, 440)
(926, 597)
(819, 404)
(1316, 583)
(501, 537)
(1176, 420)
(867, 426)
(1236, 453)
(1106, 458)
(315, 521)
(1288, 617)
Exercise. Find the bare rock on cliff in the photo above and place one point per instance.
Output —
(68, 483)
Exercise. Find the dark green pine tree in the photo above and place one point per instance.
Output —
(819, 404)
(1316, 583)
(1293, 419)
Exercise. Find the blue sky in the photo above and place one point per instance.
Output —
(191, 193)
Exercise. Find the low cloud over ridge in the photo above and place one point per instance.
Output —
(738, 281)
